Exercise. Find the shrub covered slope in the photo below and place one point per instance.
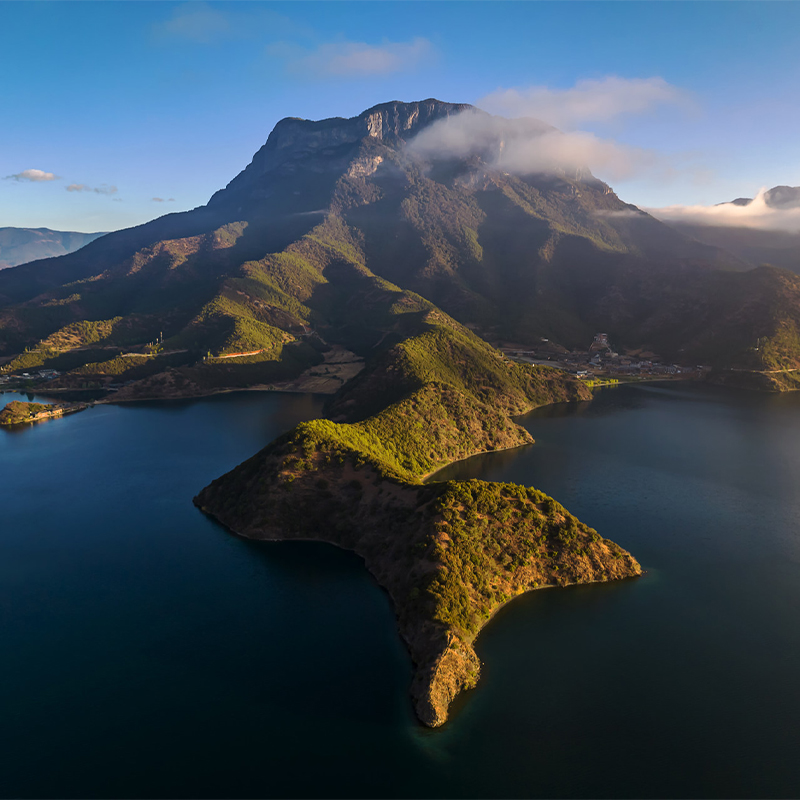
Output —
(280, 252)
(449, 553)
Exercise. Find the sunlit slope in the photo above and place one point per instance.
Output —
(278, 254)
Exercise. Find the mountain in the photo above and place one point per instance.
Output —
(21, 245)
(782, 197)
(754, 245)
(281, 250)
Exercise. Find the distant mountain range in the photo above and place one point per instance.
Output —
(327, 211)
(778, 197)
(21, 245)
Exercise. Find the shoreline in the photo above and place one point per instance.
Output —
(451, 638)
(711, 379)
(53, 412)
(428, 477)
(110, 400)
(443, 656)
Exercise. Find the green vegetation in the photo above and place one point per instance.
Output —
(781, 350)
(415, 436)
(18, 413)
(133, 368)
(448, 553)
(204, 377)
(52, 359)
(227, 325)
(518, 257)
(596, 383)
(493, 538)
(80, 334)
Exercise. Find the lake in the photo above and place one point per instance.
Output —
(149, 653)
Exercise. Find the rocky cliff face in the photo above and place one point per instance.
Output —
(328, 145)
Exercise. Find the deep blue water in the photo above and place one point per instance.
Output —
(148, 653)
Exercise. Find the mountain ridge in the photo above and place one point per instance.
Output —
(23, 245)
(516, 256)
(294, 141)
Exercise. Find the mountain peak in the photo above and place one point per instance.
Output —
(782, 197)
(294, 140)
(401, 120)
(385, 120)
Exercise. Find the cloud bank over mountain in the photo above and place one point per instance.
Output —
(537, 129)
(527, 146)
(759, 214)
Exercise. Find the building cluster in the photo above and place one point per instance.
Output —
(601, 360)
(37, 375)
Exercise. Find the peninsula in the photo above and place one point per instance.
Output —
(449, 553)
(19, 413)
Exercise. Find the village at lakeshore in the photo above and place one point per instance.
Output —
(599, 364)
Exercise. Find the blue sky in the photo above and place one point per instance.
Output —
(115, 104)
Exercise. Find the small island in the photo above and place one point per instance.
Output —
(20, 413)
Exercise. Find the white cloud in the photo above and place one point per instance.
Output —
(625, 213)
(353, 59)
(33, 175)
(587, 101)
(104, 188)
(757, 215)
(199, 23)
(526, 146)
(195, 22)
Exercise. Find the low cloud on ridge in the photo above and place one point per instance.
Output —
(756, 215)
(527, 146)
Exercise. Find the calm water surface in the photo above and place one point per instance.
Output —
(147, 653)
